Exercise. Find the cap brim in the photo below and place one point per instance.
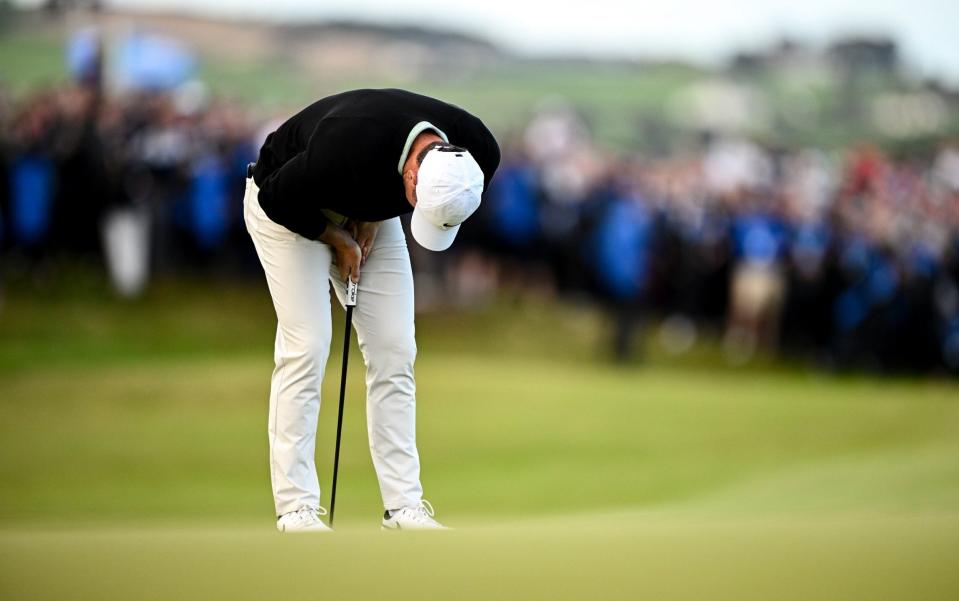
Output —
(429, 236)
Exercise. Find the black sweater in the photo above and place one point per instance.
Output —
(341, 153)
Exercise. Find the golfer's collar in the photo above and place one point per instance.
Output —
(417, 130)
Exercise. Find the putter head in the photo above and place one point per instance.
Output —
(350, 292)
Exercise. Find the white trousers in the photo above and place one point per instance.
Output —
(298, 272)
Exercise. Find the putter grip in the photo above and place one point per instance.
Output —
(350, 292)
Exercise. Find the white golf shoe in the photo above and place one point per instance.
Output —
(304, 519)
(419, 517)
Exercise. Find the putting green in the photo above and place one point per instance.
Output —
(133, 464)
(617, 556)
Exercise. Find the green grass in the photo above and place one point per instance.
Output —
(623, 556)
(29, 61)
(521, 437)
(133, 446)
(273, 84)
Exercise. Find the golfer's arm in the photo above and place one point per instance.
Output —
(289, 196)
(335, 236)
(491, 159)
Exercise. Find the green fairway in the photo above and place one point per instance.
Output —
(133, 463)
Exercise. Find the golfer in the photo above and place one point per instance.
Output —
(322, 204)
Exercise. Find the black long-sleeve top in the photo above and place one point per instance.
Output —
(343, 152)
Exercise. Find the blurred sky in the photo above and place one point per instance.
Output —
(702, 30)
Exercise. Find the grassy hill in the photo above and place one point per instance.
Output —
(628, 105)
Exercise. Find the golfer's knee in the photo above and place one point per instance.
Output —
(305, 351)
(391, 349)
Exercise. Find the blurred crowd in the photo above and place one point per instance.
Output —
(145, 182)
(851, 258)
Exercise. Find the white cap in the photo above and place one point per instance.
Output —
(448, 190)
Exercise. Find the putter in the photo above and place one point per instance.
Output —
(350, 303)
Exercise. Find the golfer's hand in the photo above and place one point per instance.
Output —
(348, 256)
(364, 232)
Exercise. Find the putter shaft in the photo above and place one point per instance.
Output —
(351, 290)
